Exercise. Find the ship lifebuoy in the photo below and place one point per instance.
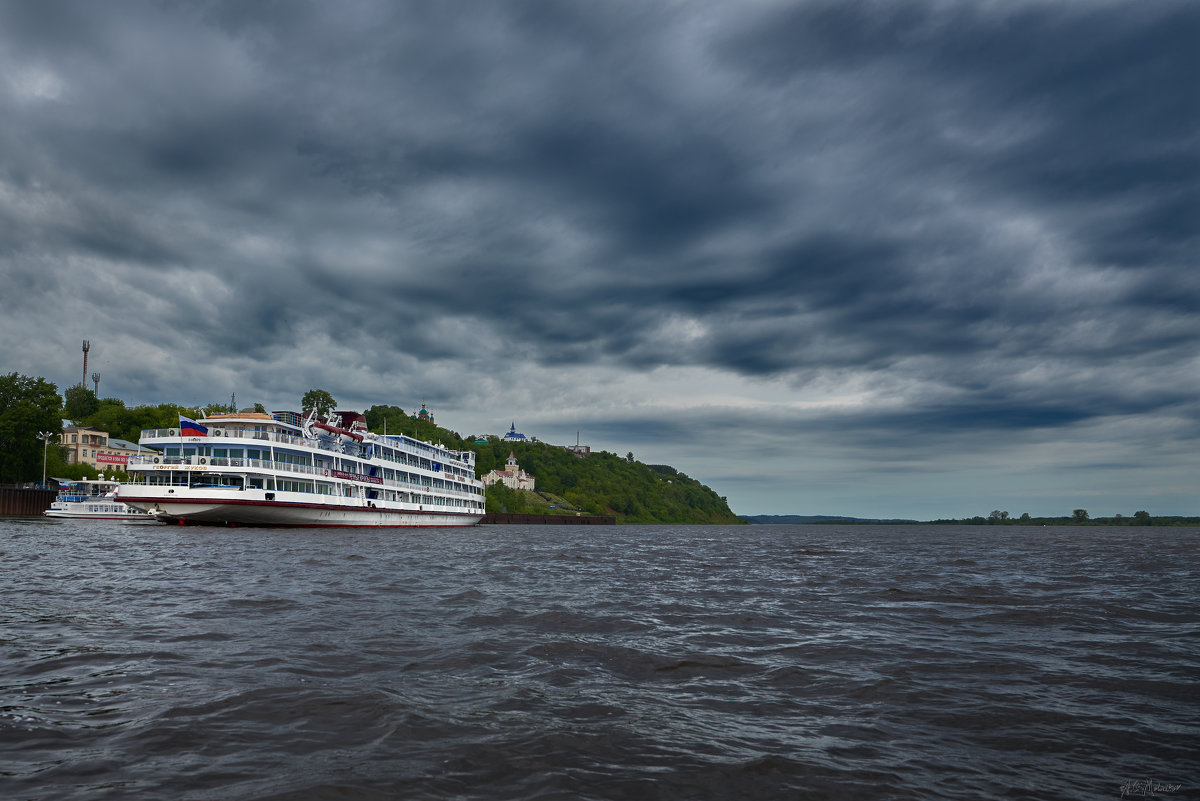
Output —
(326, 471)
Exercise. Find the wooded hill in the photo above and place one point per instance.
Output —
(602, 483)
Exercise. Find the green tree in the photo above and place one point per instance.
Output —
(1025, 518)
(320, 400)
(128, 424)
(1081, 515)
(998, 516)
(1142, 518)
(110, 415)
(499, 498)
(28, 406)
(79, 403)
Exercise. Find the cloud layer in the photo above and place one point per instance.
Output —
(879, 258)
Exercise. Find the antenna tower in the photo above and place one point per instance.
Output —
(86, 347)
(96, 381)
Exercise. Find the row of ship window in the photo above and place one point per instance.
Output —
(305, 459)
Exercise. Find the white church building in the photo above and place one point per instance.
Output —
(512, 476)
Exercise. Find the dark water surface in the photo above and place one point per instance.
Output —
(638, 662)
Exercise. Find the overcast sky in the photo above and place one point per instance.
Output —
(912, 259)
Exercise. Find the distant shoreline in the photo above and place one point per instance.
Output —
(808, 520)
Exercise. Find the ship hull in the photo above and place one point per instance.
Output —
(229, 512)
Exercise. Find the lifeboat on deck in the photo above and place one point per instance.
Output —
(344, 434)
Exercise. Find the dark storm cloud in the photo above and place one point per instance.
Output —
(1101, 83)
(982, 216)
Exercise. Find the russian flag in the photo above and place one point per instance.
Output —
(190, 428)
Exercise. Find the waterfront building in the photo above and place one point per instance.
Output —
(94, 447)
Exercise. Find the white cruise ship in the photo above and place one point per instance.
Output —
(283, 470)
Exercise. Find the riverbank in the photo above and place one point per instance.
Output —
(501, 518)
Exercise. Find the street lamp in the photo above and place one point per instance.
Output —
(44, 436)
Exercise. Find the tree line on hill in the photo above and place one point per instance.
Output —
(602, 483)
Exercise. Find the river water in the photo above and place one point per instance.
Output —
(626, 662)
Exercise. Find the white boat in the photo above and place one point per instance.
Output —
(92, 500)
(283, 470)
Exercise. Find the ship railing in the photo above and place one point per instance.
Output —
(154, 458)
(442, 487)
(224, 433)
(407, 447)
